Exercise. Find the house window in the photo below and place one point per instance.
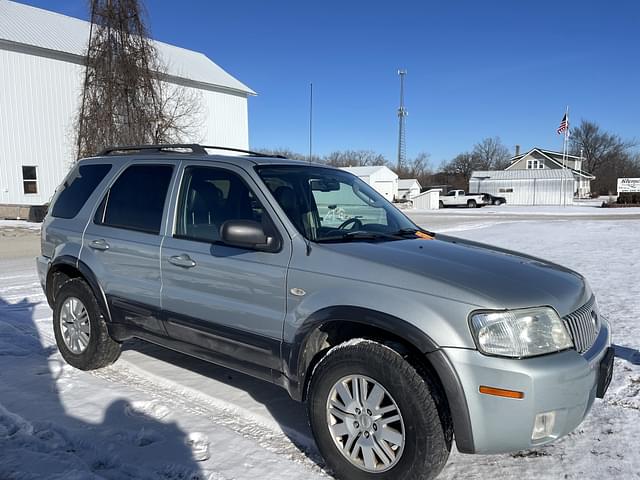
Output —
(29, 180)
(505, 190)
(534, 164)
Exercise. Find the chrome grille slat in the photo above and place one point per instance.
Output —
(581, 327)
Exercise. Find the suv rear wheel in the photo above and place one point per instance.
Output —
(80, 329)
(375, 417)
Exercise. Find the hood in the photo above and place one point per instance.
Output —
(478, 274)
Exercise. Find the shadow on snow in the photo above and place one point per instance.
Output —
(631, 355)
(40, 439)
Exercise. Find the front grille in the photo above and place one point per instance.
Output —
(583, 325)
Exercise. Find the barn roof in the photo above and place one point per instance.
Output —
(366, 171)
(406, 183)
(49, 33)
(538, 174)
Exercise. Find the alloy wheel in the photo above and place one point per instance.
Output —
(75, 325)
(365, 423)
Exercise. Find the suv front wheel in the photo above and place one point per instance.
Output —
(80, 328)
(375, 417)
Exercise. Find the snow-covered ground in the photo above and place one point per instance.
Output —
(578, 208)
(4, 224)
(158, 414)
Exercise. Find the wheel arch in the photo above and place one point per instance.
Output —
(333, 325)
(67, 267)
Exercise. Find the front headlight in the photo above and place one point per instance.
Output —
(520, 333)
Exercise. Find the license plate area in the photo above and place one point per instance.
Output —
(605, 373)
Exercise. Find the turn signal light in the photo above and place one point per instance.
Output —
(501, 392)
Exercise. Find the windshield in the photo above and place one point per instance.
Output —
(329, 204)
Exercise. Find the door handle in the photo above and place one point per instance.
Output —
(183, 260)
(100, 244)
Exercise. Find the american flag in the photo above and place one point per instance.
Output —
(564, 125)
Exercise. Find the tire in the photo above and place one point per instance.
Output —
(497, 202)
(425, 421)
(101, 350)
(440, 204)
(472, 204)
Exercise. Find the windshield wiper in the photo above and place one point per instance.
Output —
(405, 232)
(359, 235)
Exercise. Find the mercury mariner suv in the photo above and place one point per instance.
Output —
(399, 340)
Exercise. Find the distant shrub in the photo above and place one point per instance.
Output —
(629, 198)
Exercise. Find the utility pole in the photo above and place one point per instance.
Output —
(310, 121)
(402, 113)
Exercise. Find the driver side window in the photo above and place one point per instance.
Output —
(208, 198)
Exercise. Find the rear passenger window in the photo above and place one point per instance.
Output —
(136, 200)
(77, 189)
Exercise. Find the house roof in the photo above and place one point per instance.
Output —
(542, 174)
(407, 183)
(367, 171)
(48, 33)
(553, 153)
(555, 157)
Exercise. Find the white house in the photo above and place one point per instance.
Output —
(41, 78)
(382, 178)
(526, 187)
(539, 159)
(408, 188)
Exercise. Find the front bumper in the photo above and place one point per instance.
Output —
(565, 383)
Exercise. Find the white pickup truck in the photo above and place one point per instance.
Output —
(459, 198)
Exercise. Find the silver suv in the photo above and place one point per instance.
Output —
(398, 339)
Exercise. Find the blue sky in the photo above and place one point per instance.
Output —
(475, 68)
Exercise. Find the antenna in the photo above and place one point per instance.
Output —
(402, 112)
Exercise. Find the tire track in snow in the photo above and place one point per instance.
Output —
(191, 402)
(180, 399)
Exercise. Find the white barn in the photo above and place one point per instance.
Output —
(408, 188)
(382, 178)
(41, 77)
(526, 187)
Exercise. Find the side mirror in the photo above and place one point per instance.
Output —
(247, 234)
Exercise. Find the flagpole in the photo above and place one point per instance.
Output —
(564, 157)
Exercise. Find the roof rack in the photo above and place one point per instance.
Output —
(178, 148)
(249, 152)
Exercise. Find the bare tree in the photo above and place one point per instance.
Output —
(606, 155)
(461, 165)
(355, 158)
(491, 154)
(180, 114)
(288, 153)
(597, 146)
(124, 100)
(418, 168)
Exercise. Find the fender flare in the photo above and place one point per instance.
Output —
(298, 353)
(88, 276)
